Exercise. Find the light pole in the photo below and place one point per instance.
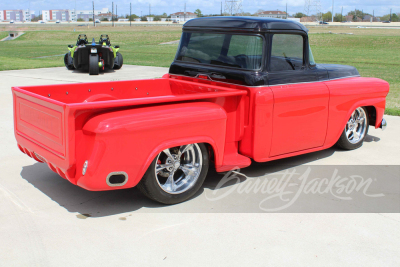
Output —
(333, 4)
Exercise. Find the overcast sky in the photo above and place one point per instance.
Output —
(381, 7)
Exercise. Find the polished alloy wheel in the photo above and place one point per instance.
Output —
(356, 126)
(177, 169)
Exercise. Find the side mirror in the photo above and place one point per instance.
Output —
(116, 46)
(70, 46)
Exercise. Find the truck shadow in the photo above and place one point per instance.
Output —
(107, 203)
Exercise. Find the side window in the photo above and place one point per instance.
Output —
(286, 52)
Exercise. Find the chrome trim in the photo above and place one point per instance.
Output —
(259, 86)
(85, 165)
(116, 173)
(383, 124)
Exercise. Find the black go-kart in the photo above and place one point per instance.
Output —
(93, 57)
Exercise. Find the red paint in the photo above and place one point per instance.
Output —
(51, 14)
(122, 126)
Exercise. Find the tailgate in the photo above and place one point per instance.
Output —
(40, 122)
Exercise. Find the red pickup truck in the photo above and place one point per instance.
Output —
(238, 89)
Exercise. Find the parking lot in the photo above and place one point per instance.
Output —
(46, 221)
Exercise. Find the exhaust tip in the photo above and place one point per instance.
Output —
(117, 179)
(383, 124)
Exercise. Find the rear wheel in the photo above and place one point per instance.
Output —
(68, 61)
(118, 61)
(176, 174)
(355, 130)
(94, 65)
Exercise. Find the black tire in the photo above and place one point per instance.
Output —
(94, 65)
(118, 61)
(151, 188)
(68, 61)
(344, 142)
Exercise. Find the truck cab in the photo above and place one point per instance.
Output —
(251, 52)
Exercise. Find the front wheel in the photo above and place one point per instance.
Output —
(355, 131)
(94, 65)
(176, 174)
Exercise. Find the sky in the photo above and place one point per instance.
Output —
(381, 7)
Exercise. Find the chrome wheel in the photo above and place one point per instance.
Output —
(356, 126)
(177, 169)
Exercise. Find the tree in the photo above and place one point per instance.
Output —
(37, 18)
(133, 17)
(104, 19)
(164, 15)
(327, 16)
(395, 18)
(357, 14)
(247, 14)
(90, 19)
(80, 19)
(338, 17)
(157, 18)
(299, 15)
(143, 19)
(198, 13)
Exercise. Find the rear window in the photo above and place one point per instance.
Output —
(231, 50)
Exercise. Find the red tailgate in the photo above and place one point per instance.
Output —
(41, 123)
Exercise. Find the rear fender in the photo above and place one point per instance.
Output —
(129, 140)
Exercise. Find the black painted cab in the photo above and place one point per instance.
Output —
(250, 51)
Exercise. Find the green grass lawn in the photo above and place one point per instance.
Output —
(375, 52)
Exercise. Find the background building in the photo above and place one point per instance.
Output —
(272, 14)
(57, 14)
(88, 14)
(17, 15)
(183, 16)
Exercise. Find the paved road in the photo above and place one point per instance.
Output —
(46, 221)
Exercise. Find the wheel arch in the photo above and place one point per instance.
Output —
(375, 105)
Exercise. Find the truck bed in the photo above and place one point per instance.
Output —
(48, 118)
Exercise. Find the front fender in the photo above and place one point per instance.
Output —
(129, 140)
(348, 94)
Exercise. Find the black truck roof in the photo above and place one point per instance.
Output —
(250, 24)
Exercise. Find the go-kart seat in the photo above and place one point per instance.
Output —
(81, 42)
(104, 39)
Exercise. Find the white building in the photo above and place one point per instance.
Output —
(88, 14)
(183, 16)
(57, 14)
(71, 14)
(17, 15)
(272, 14)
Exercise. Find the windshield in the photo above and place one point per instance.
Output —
(231, 50)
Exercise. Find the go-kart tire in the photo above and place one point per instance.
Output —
(118, 61)
(94, 65)
(68, 61)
